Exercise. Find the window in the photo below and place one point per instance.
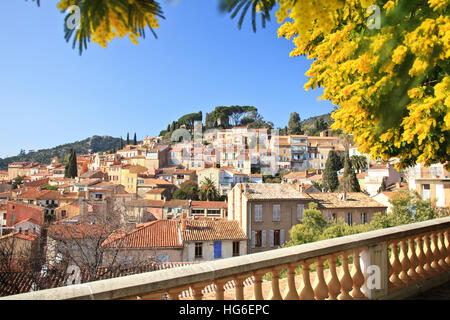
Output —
(198, 211)
(363, 217)
(349, 218)
(258, 212)
(213, 211)
(276, 237)
(258, 238)
(276, 212)
(300, 208)
(236, 248)
(63, 213)
(98, 196)
(198, 249)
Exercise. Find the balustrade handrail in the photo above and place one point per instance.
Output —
(207, 272)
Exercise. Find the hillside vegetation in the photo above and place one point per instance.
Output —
(92, 144)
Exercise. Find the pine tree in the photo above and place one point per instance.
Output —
(330, 177)
(135, 140)
(294, 126)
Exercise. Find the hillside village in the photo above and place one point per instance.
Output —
(158, 204)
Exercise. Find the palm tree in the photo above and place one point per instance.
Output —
(208, 190)
(359, 162)
(347, 141)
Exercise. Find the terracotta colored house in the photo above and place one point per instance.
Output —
(17, 212)
(158, 240)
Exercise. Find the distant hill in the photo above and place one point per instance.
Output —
(310, 121)
(89, 145)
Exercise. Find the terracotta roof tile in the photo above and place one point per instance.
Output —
(354, 200)
(209, 204)
(159, 233)
(207, 229)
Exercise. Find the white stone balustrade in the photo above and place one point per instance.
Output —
(392, 263)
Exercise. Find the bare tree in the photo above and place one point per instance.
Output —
(22, 261)
(79, 245)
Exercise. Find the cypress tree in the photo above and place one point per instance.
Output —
(383, 186)
(121, 143)
(128, 138)
(349, 181)
(135, 140)
(71, 170)
(330, 178)
(74, 167)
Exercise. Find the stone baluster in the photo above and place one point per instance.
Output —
(430, 257)
(238, 287)
(334, 287)
(320, 287)
(197, 291)
(219, 289)
(390, 270)
(157, 295)
(422, 258)
(412, 273)
(307, 292)
(346, 279)
(291, 293)
(396, 266)
(174, 293)
(257, 285)
(436, 253)
(358, 276)
(447, 259)
(443, 252)
(405, 263)
(275, 293)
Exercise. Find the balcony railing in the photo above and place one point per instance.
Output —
(392, 263)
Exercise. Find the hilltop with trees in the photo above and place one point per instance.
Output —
(89, 145)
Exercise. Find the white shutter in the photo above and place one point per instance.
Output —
(253, 239)
(300, 208)
(281, 237)
(263, 238)
(258, 212)
(276, 212)
(271, 238)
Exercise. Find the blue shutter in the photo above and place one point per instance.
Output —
(217, 249)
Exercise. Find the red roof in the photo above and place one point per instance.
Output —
(207, 229)
(209, 204)
(159, 233)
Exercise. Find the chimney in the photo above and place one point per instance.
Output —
(301, 188)
(345, 195)
(183, 221)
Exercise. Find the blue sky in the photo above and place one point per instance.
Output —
(49, 95)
